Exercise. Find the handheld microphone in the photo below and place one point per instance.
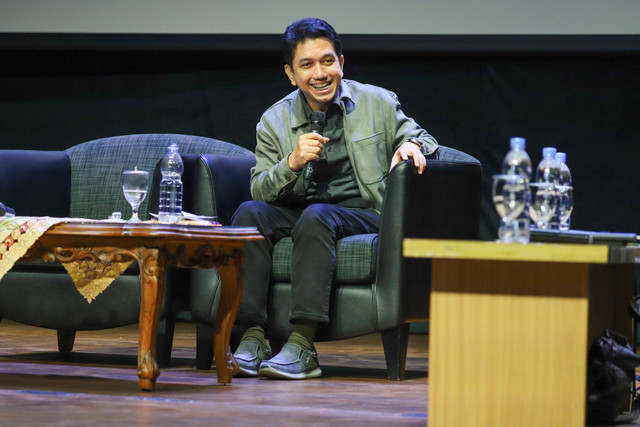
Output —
(316, 126)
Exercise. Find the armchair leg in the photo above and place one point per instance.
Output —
(164, 341)
(65, 340)
(204, 345)
(395, 342)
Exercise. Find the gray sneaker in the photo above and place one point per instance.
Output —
(249, 354)
(292, 363)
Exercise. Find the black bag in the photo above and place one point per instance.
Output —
(611, 379)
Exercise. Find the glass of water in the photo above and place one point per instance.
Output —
(544, 202)
(510, 195)
(565, 205)
(135, 184)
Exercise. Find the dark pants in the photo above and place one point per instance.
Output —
(314, 231)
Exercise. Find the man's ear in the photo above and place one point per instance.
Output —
(289, 72)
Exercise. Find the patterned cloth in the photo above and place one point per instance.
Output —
(18, 234)
(92, 278)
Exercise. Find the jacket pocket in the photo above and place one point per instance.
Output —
(370, 158)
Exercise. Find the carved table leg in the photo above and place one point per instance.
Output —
(152, 266)
(230, 296)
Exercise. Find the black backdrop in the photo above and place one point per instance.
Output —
(580, 94)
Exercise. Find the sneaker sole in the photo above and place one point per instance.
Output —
(270, 372)
(243, 372)
(245, 368)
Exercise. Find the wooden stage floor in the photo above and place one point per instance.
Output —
(97, 385)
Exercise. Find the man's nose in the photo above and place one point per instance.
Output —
(319, 72)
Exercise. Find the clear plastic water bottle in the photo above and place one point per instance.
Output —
(565, 206)
(548, 172)
(518, 162)
(565, 173)
(170, 208)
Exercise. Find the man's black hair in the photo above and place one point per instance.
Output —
(308, 28)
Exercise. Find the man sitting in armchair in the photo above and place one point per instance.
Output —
(316, 182)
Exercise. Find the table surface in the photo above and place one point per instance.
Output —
(148, 234)
(534, 252)
(150, 229)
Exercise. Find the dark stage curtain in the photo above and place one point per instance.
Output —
(584, 100)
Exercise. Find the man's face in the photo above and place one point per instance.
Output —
(317, 71)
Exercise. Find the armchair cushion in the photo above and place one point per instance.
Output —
(356, 258)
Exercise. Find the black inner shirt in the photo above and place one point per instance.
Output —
(333, 180)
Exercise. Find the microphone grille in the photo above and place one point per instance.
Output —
(318, 117)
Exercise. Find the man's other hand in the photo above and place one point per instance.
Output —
(406, 150)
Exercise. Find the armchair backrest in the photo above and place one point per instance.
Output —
(35, 182)
(96, 168)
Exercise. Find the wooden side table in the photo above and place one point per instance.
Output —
(156, 246)
(510, 327)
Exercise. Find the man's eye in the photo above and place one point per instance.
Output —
(329, 61)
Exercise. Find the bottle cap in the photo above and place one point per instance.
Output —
(561, 157)
(519, 142)
(548, 152)
(173, 147)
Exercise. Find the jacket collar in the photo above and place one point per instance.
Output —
(298, 115)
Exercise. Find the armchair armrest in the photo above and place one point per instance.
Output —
(214, 185)
(222, 184)
(35, 182)
(443, 202)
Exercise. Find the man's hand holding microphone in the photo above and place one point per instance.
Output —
(309, 147)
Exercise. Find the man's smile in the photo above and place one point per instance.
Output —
(321, 86)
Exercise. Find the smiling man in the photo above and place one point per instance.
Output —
(352, 134)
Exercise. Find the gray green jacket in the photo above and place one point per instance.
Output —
(374, 127)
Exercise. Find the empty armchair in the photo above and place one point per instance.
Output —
(84, 181)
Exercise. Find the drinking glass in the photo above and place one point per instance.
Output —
(135, 185)
(544, 202)
(521, 229)
(565, 205)
(510, 195)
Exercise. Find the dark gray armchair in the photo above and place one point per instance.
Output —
(376, 289)
(85, 181)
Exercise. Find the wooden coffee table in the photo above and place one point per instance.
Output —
(156, 246)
